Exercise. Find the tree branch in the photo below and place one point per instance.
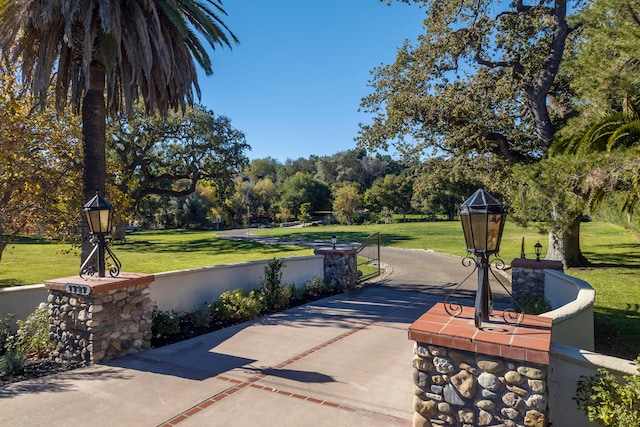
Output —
(514, 64)
(502, 148)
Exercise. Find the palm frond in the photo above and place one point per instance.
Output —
(627, 135)
(562, 146)
(148, 48)
(208, 23)
(595, 198)
(199, 53)
(597, 137)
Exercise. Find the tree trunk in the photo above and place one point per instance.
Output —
(538, 90)
(94, 163)
(3, 244)
(541, 119)
(565, 245)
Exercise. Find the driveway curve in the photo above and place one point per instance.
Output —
(415, 270)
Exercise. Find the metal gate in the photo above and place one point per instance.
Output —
(369, 258)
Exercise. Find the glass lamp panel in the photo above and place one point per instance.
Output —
(479, 230)
(92, 220)
(494, 231)
(466, 229)
(105, 221)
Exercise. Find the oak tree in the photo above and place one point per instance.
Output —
(170, 155)
(483, 82)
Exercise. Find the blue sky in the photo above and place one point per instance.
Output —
(294, 83)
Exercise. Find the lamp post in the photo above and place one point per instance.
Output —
(99, 213)
(334, 240)
(482, 218)
(538, 249)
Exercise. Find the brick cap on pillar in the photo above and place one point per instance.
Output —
(529, 341)
(336, 251)
(543, 264)
(101, 285)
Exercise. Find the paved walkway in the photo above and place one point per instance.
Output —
(341, 361)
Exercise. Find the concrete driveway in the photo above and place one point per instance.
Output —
(340, 361)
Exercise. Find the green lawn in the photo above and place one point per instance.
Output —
(440, 236)
(31, 260)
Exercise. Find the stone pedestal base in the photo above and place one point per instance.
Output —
(340, 267)
(100, 318)
(527, 277)
(496, 375)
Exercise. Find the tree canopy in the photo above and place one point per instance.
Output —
(146, 49)
(605, 73)
(302, 188)
(483, 88)
(39, 163)
(477, 82)
(169, 155)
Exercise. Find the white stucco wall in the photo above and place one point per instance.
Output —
(567, 364)
(21, 301)
(185, 289)
(572, 303)
(572, 355)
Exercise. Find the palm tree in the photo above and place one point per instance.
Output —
(109, 54)
(618, 135)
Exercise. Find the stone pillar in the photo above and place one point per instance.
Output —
(100, 318)
(340, 267)
(464, 376)
(527, 277)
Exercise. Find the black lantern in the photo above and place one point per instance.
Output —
(99, 213)
(334, 240)
(482, 218)
(538, 249)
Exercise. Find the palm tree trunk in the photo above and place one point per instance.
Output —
(3, 244)
(94, 163)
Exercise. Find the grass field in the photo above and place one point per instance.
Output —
(31, 260)
(440, 236)
(613, 251)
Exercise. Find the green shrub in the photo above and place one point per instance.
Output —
(608, 402)
(33, 336)
(13, 361)
(284, 298)
(295, 292)
(5, 333)
(316, 288)
(534, 305)
(201, 316)
(164, 323)
(238, 305)
(276, 296)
